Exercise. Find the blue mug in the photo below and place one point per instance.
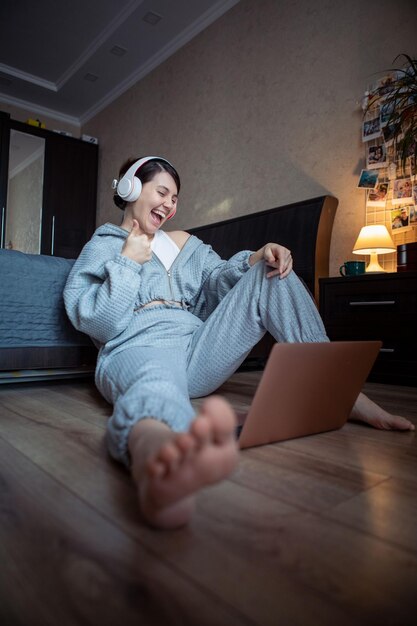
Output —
(352, 268)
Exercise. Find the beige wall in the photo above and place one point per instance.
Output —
(261, 109)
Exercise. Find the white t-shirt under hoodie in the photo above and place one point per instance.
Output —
(165, 248)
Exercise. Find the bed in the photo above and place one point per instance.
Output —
(37, 341)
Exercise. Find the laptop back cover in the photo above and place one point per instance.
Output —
(307, 388)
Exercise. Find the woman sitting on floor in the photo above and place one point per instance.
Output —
(173, 321)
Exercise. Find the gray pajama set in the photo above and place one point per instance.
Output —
(153, 359)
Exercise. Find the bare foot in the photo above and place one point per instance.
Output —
(170, 468)
(365, 410)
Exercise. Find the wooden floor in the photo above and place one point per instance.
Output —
(320, 530)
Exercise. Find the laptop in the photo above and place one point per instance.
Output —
(306, 388)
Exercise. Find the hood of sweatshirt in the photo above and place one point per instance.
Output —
(111, 229)
(118, 233)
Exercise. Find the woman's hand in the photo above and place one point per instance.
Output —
(137, 245)
(276, 256)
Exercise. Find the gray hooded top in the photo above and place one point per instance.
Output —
(105, 289)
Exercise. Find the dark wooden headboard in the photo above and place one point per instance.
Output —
(303, 227)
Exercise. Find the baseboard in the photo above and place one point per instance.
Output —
(25, 376)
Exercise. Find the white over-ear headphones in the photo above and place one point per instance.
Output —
(130, 186)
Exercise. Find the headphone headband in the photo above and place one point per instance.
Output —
(130, 186)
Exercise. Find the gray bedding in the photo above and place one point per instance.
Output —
(31, 306)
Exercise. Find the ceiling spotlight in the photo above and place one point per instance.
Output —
(90, 77)
(152, 18)
(118, 51)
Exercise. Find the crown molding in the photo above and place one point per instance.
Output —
(28, 78)
(40, 110)
(184, 37)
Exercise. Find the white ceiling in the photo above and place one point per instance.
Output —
(56, 56)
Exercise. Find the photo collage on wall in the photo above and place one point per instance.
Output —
(391, 189)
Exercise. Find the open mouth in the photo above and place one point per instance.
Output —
(157, 216)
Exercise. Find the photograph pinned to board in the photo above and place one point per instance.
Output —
(400, 218)
(371, 128)
(376, 157)
(413, 214)
(402, 190)
(385, 112)
(378, 196)
(368, 179)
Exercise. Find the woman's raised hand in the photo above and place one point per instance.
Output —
(276, 256)
(137, 245)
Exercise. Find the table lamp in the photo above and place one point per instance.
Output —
(374, 240)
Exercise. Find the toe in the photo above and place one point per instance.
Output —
(201, 431)
(222, 418)
(156, 469)
(391, 422)
(170, 456)
(401, 423)
(186, 444)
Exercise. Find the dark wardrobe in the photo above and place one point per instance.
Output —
(48, 190)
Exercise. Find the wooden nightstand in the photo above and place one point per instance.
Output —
(376, 306)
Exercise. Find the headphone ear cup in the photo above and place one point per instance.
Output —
(128, 189)
(124, 187)
(137, 188)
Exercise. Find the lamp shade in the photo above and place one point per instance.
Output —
(374, 239)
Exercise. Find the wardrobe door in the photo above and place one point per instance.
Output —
(70, 196)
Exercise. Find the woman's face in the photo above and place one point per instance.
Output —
(157, 201)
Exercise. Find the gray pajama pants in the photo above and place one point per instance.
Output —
(176, 356)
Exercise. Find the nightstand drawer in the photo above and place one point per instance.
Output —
(363, 306)
(380, 306)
